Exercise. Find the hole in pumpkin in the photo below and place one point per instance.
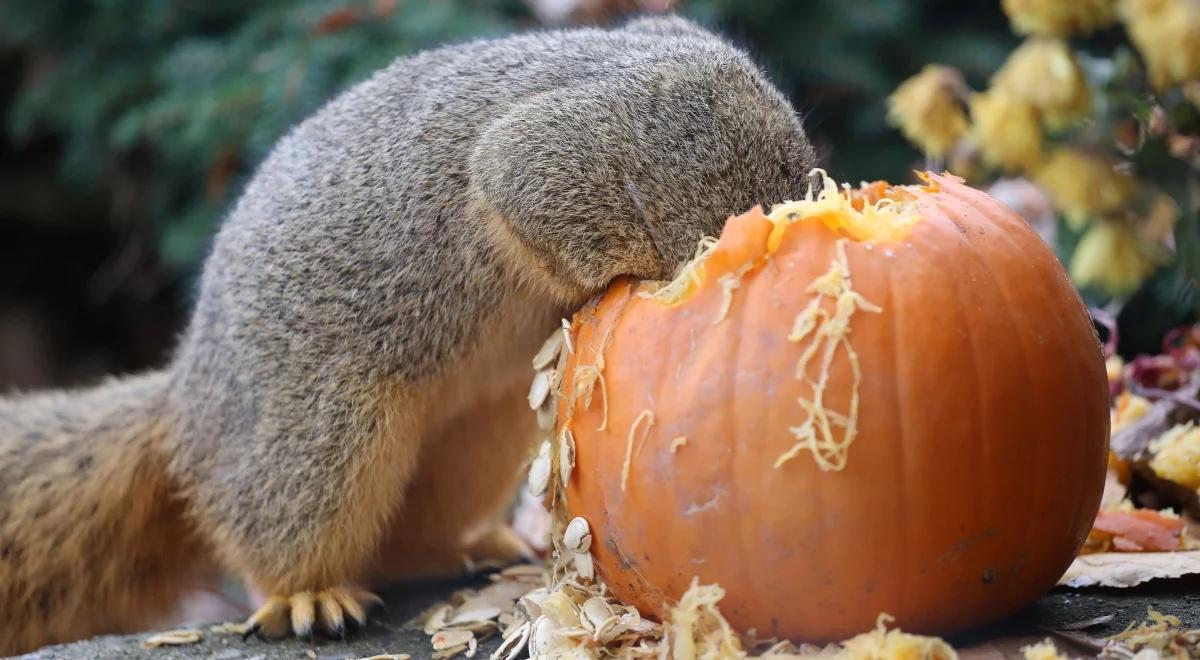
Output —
(874, 212)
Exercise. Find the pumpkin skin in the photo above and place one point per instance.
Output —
(982, 427)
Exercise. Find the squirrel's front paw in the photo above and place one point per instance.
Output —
(306, 613)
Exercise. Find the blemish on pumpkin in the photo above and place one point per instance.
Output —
(989, 576)
(711, 503)
(962, 546)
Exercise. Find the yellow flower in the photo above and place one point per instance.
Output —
(929, 110)
(1084, 186)
(1191, 92)
(1167, 34)
(1177, 455)
(1109, 258)
(1129, 409)
(1006, 130)
(1158, 224)
(1044, 73)
(1059, 18)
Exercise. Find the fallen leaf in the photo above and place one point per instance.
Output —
(1140, 530)
(1123, 569)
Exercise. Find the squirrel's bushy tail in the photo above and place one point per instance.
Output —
(92, 534)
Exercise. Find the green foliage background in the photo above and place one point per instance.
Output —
(127, 127)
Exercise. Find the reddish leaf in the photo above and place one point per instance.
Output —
(1140, 530)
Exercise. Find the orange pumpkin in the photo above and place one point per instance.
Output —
(888, 400)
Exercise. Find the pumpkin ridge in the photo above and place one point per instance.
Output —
(1079, 398)
(980, 430)
(1037, 450)
(898, 415)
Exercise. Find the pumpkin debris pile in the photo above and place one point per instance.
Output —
(1161, 635)
(1154, 460)
(457, 627)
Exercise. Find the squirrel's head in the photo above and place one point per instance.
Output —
(622, 175)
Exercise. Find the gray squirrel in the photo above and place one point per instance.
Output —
(347, 403)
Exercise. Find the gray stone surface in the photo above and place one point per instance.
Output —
(387, 632)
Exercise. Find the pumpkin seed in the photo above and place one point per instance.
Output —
(437, 620)
(549, 351)
(567, 336)
(594, 613)
(578, 537)
(514, 643)
(541, 640)
(585, 567)
(173, 638)
(547, 415)
(566, 457)
(539, 472)
(540, 389)
(447, 639)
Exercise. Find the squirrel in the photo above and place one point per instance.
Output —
(347, 402)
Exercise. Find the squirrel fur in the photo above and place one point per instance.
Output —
(346, 404)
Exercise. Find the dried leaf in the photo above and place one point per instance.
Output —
(1122, 569)
(1086, 623)
(1141, 530)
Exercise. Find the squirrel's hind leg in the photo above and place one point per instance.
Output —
(453, 510)
(324, 484)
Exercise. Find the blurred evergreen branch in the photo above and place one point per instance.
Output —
(191, 94)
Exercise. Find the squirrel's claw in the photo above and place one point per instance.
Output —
(305, 613)
(251, 630)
